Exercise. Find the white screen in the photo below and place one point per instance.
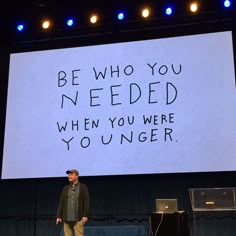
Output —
(104, 96)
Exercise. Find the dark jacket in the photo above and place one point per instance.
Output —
(83, 202)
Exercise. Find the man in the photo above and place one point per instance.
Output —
(74, 205)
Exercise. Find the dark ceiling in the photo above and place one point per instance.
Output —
(32, 12)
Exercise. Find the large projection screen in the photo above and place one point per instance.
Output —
(153, 106)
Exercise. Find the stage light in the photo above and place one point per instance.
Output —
(121, 16)
(94, 19)
(20, 27)
(70, 22)
(169, 11)
(194, 7)
(145, 13)
(227, 3)
(46, 24)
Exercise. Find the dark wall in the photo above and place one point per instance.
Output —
(28, 207)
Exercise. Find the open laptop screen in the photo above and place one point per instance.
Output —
(166, 205)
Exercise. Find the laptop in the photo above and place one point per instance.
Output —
(166, 205)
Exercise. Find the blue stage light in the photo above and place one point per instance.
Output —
(20, 27)
(70, 22)
(169, 11)
(227, 3)
(121, 16)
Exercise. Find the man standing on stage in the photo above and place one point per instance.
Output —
(74, 205)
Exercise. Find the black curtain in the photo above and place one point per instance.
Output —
(28, 207)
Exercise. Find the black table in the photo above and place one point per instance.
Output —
(170, 224)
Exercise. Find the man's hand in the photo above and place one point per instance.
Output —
(84, 220)
(59, 220)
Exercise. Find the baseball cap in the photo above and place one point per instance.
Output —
(72, 171)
